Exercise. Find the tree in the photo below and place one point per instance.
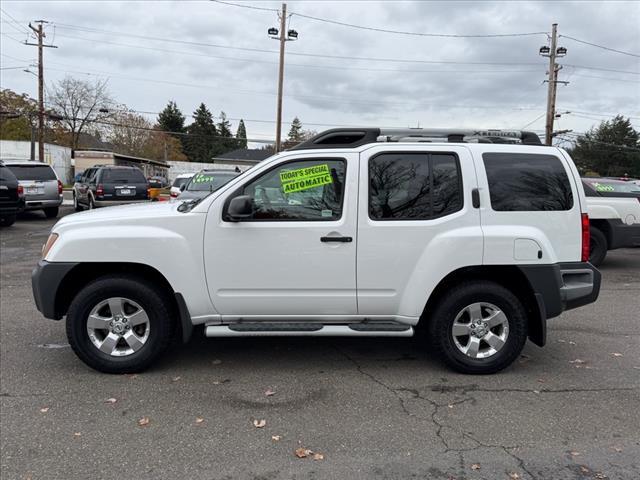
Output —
(295, 133)
(129, 133)
(241, 135)
(225, 141)
(610, 149)
(82, 105)
(17, 115)
(162, 146)
(171, 119)
(200, 144)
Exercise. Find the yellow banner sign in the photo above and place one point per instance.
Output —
(305, 178)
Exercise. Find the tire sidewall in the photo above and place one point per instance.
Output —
(464, 296)
(599, 241)
(148, 298)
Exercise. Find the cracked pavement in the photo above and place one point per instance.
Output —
(375, 408)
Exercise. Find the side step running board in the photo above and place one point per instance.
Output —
(310, 330)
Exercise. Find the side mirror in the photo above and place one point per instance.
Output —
(182, 187)
(240, 208)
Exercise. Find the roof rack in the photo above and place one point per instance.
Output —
(355, 137)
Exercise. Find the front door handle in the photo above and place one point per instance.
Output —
(336, 239)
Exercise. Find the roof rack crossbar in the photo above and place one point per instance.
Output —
(355, 137)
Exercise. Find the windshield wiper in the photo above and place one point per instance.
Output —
(188, 205)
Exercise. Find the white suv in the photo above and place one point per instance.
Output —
(474, 238)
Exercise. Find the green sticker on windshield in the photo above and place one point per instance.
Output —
(200, 178)
(603, 187)
(305, 178)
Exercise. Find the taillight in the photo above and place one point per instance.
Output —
(59, 187)
(20, 191)
(100, 190)
(586, 237)
(174, 195)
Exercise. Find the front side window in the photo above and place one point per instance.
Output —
(414, 186)
(304, 190)
(525, 182)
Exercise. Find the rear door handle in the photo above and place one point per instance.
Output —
(336, 239)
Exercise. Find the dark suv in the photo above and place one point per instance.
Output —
(101, 186)
(11, 196)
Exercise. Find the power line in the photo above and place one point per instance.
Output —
(583, 67)
(246, 6)
(22, 27)
(607, 78)
(601, 46)
(534, 120)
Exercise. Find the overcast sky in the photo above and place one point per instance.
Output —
(482, 82)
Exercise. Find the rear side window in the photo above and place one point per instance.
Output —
(33, 172)
(178, 182)
(523, 182)
(122, 175)
(414, 186)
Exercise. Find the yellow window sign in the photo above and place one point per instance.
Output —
(305, 178)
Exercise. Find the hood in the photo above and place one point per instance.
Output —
(123, 212)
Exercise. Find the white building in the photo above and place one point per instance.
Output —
(55, 155)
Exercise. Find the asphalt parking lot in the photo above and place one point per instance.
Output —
(381, 408)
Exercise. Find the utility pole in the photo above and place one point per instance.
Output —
(553, 53)
(284, 36)
(39, 32)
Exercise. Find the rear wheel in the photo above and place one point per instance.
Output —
(597, 246)
(119, 324)
(479, 327)
(51, 212)
(7, 220)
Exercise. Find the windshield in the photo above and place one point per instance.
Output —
(210, 181)
(33, 172)
(604, 186)
(178, 182)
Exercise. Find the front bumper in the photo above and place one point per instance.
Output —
(623, 235)
(113, 203)
(45, 282)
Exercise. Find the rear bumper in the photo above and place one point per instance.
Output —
(109, 203)
(563, 286)
(37, 204)
(45, 282)
(623, 235)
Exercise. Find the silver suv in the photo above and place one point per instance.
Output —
(42, 188)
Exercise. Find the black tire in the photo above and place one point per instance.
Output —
(76, 205)
(51, 212)
(7, 220)
(151, 299)
(597, 246)
(463, 295)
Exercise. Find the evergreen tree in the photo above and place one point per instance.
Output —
(171, 119)
(296, 134)
(611, 149)
(225, 142)
(200, 144)
(241, 135)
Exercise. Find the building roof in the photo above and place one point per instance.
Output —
(118, 156)
(246, 154)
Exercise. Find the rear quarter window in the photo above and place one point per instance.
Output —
(524, 182)
(33, 172)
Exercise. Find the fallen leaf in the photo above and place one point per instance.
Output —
(616, 354)
(302, 452)
(572, 343)
(616, 449)
(76, 434)
(175, 379)
(259, 423)
(215, 382)
(536, 391)
(216, 362)
(144, 421)
(475, 466)
(110, 400)
(584, 469)
(514, 476)
(276, 438)
(199, 420)
(269, 392)
(450, 406)
(318, 456)
(44, 409)
(541, 380)
(600, 475)
(574, 454)
(562, 341)
(577, 361)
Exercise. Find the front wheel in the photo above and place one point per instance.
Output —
(119, 324)
(479, 327)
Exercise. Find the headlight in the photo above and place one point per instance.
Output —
(47, 246)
